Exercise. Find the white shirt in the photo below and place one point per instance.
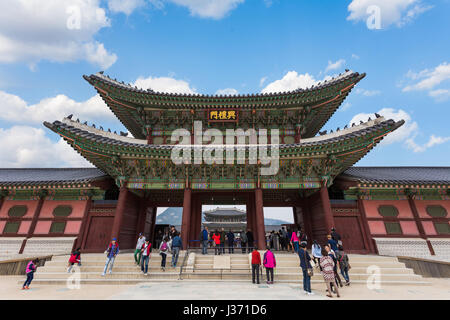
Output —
(140, 242)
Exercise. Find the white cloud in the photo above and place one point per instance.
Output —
(14, 109)
(428, 79)
(262, 81)
(125, 6)
(291, 81)
(367, 93)
(355, 56)
(24, 146)
(227, 91)
(164, 84)
(53, 30)
(406, 134)
(335, 65)
(215, 9)
(345, 106)
(431, 142)
(397, 12)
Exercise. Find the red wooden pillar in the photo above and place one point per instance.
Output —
(186, 219)
(79, 243)
(366, 230)
(120, 209)
(37, 212)
(259, 219)
(415, 213)
(196, 216)
(326, 206)
(251, 213)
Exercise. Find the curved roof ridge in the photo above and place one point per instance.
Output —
(316, 86)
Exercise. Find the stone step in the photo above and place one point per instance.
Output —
(130, 269)
(114, 275)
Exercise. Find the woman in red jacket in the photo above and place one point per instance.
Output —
(216, 239)
(256, 262)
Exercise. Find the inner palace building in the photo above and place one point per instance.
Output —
(384, 210)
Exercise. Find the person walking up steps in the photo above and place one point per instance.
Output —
(164, 248)
(316, 253)
(31, 269)
(256, 263)
(177, 245)
(75, 257)
(111, 253)
(327, 264)
(145, 250)
(269, 263)
(138, 251)
(306, 268)
(294, 241)
(344, 264)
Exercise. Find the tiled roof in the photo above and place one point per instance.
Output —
(327, 83)
(225, 212)
(103, 137)
(35, 176)
(401, 175)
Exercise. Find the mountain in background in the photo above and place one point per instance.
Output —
(173, 216)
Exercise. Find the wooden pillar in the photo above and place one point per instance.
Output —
(186, 219)
(367, 237)
(259, 219)
(153, 225)
(37, 212)
(326, 206)
(79, 243)
(120, 209)
(195, 225)
(294, 212)
(419, 225)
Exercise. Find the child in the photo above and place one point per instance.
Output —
(145, 256)
(75, 257)
(344, 264)
(31, 268)
(111, 253)
(256, 262)
(269, 263)
(164, 248)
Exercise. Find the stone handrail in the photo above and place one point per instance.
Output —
(15, 267)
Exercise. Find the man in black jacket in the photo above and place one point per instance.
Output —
(250, 240)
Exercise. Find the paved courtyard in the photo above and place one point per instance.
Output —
(180, 290)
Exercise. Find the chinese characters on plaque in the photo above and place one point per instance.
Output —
(223, 116)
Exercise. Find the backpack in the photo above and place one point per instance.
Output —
(164, 247)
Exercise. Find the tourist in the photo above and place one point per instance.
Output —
(204, 239)
(282, 235)
(138, 251)
(177, 245)
(230, 241)
(336, 236)
(172, 232)
(222, 240)
(288, 240)
(316, 252)
(145, 251)
(216, 242)
(344, 264)
(111, 252)
(250, 240)
(256, 263)
(294, 241)
(306, 268)
(244, 242)
(332, 254)
(75, 257)
(303, 238)
(269, 263)
(332, 243)
(327, 267)
(164, 248)
(30, 270)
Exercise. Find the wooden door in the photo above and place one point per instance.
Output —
(99, 233)
(350, 230)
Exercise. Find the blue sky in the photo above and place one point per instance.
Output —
(241, 46)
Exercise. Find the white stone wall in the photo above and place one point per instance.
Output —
(10, 246)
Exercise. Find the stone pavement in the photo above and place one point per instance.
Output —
(9, 289)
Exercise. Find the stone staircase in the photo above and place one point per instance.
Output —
(202, 268)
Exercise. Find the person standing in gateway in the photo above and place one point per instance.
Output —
(138, 251)
(111, 253)
(177, 245)
(204, 240)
